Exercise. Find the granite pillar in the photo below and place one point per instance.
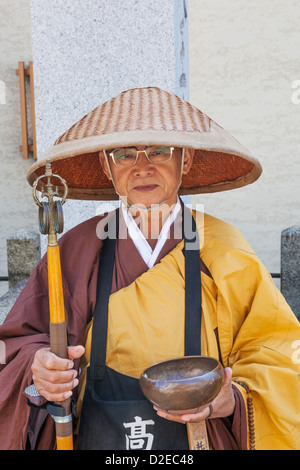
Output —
(290, 267)
(84, 53)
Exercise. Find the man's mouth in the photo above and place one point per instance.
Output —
(146, 187)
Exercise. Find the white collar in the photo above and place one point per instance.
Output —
(149, 256)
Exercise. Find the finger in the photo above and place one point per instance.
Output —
(50, 361)
(184, 418)
(197, 417)
(227, 376)
(55, 392)
(52, 376)
(75, 352)
(57, 387)
(54, 397)
(168, 416)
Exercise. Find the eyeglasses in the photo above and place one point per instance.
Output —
(128, 156)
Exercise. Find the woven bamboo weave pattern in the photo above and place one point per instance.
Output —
(157, 110)
(147, 116)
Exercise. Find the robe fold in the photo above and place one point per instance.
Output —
(246, 323)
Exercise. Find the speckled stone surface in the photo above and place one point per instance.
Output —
(23, 253)
(290, 267)
(87, 52)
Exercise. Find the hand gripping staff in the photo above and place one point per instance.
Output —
(51, 223)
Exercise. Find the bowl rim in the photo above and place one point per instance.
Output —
(218, 364)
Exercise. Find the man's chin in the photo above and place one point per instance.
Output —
(141, 202)
(145, 205)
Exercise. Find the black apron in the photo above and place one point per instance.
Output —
(115, 414)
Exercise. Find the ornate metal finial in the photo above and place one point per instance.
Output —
(50, 212)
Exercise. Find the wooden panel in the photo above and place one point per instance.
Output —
(32, 110)
(21, 73)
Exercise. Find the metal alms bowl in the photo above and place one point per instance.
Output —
(183, 384)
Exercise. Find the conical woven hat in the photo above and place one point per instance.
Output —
(147, 116)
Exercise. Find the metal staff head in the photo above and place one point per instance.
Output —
(50, 212)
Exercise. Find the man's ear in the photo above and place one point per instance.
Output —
(188, 160)
(103, 164)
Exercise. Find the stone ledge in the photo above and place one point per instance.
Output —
(23, 253)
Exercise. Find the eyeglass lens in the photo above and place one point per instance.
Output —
(128, 156)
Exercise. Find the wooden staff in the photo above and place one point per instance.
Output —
(197, 436)
(51, 223)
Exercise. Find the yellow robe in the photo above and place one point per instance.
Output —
(257, 329)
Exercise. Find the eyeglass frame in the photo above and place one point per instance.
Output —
(137, 156)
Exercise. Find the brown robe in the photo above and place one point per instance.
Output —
(26, 329)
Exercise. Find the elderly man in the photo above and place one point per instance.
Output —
(166, 297)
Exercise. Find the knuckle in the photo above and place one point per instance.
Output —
(41, 391)
(40, 353)
(54, 377)
(53, 388)
(50, 380)
(49, 363)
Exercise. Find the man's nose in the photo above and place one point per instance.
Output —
(143, 164)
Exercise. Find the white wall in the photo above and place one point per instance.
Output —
(17, 209)
(244, 60)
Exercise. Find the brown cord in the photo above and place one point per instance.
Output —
(250, 408)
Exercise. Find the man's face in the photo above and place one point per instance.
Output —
(146, 183)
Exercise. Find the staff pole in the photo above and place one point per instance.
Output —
(197, 436)
(51, 223)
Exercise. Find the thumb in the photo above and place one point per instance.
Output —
(74, 352)
(227, 376)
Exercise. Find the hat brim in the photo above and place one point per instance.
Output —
(220, 162)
